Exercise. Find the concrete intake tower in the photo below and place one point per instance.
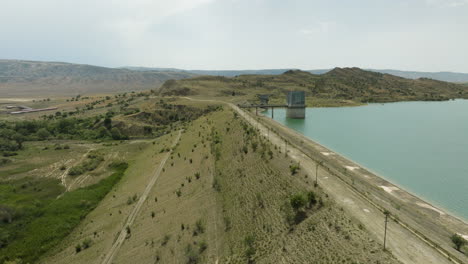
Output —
(296, 105)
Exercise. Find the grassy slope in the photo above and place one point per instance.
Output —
(228, 213)
(255, 192)
(347, 86)
(57, 220)
(195, 203)
(103, 224)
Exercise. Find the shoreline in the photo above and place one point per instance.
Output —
(405, 207)
(422, 198)
(400, 188)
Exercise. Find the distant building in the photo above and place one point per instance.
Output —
(264, 98)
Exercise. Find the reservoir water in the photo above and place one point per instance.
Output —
(420, 146)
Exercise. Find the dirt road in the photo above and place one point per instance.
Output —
(131, 217)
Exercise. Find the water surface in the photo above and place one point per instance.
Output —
(421, 146)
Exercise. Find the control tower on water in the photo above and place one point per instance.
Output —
(296, 105)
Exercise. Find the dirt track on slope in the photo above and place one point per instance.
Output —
(131, 217)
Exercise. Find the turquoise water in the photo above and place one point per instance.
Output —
(420, 146)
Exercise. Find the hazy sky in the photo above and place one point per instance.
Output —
(424, 35)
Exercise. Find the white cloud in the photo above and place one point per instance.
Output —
(323, 27)
(237, 33)
(447, 3)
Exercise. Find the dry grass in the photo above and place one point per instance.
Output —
(215, 202)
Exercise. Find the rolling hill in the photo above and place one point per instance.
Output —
(440, 76)
(336, 86)
(32, 78)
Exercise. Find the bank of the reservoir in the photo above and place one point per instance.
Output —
(421, 146)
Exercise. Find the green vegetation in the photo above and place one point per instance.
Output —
(458, 241)
(298, 201)
(92, 162)
(21, 201)
(81, 246)
(199, 227)
(294, 168)
(250, 248)
(55, 220)
(13, 134)
(214, 185)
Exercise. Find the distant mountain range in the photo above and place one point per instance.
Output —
(440, 76)
(35, 78)
(456, 77)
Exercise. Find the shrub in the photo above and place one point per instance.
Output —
(191, 254)
(227, 223)
(93, 161)
(216, 185)
(199, 227)
(78, 248)
(459, 241)
(297, 201)
(4, 161)
(197, 175)
(245, 149)
(87, 243)
(165, 240)
(294, 168)
(254, 146)
(249, 241)
(203, 246)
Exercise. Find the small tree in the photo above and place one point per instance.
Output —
(297, 201)
(43, 134)
(115, 133)
(459, 241)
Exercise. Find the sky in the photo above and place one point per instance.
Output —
(419, 35)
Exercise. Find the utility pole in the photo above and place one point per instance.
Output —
(386, 213)
(316, 172)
